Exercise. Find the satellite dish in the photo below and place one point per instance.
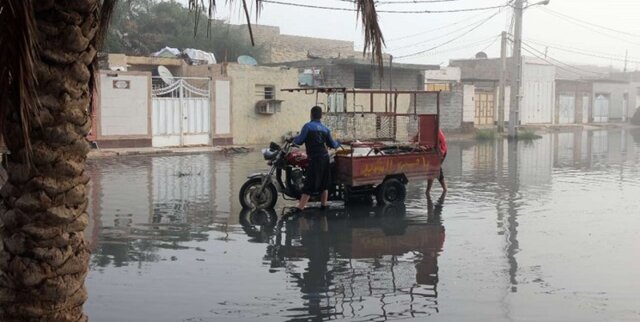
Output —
(165, 75)
(247, 60)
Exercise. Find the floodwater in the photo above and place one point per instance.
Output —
(544, 231)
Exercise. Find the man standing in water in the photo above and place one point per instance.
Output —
(316, 137)
(442, 142)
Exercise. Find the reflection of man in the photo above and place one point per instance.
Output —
(316, 138)
(442, 142)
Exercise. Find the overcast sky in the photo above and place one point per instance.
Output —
(574, 30)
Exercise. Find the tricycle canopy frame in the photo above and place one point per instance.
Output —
(429, 125)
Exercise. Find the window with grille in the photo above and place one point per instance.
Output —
(267, 92)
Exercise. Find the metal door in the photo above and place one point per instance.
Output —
(601, 108)
(181, 112)
(567, 109)
(485, 108)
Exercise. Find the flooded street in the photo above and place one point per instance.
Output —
(542, 231)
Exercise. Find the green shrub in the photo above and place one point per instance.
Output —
(528, 135)
(486, 135)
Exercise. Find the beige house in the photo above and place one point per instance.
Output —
(232, 104)
(260, 111)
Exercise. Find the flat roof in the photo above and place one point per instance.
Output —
(353, 61)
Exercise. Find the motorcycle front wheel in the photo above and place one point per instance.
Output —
(251, 197)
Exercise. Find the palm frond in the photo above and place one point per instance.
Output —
(17, 70)
(106, 10)
(373, 38)
(200, 6)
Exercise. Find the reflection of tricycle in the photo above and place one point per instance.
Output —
(355, 233)
(380, 165)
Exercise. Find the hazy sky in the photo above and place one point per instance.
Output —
(577, 41)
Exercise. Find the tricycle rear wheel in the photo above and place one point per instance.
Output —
(391, 191)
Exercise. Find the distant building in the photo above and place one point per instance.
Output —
(357, 72)
(284, 48)
(442, 79)
(538, 85)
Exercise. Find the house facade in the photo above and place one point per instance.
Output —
(573, 101)
(199, 105)
(537, 105)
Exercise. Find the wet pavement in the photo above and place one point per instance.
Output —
(545, 231)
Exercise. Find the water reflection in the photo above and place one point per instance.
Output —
(524, 226)
(365, 262)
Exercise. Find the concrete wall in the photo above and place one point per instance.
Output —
(443, 75)
(248, 127)
(616, 93)
(124, 112)
(580, 91)
(284, 48)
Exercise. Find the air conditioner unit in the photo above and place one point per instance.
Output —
(268, 107)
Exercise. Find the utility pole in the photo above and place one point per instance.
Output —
(626, 56)
(516, 71)
(503, 76)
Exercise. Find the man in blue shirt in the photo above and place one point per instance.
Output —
(316, 137)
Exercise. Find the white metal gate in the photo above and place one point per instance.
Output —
(181, 112)
(567, 109)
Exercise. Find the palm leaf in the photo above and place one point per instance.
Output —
(18, 99)
(373, 38)
(17, 70)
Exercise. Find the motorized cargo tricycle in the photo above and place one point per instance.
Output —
(384, 146)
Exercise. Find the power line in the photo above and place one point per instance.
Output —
(589, 27)
(591, 23)
(466, 46)
(551, 63)
(492, 43)
(446, 34)
(584, 52)
(558, 61)
(381, 11)
(403, 2)
(451, 40)
(431, 30)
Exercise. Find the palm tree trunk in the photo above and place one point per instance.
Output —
(43, 254)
